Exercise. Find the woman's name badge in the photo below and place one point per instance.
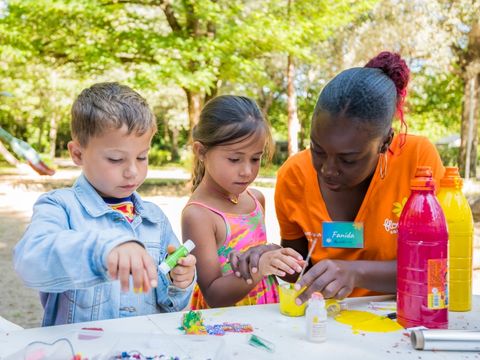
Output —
(342, 234)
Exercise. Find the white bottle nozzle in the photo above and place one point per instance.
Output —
(189, 245)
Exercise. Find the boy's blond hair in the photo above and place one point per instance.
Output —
(109, 105)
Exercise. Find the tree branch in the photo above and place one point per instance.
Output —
(167, 8)
(192, 20)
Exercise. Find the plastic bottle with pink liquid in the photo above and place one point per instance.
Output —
(422, 253)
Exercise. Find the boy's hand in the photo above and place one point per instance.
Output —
(183, 273)
(280, 262)
(132, 258)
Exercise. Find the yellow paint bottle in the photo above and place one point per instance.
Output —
(460, 240)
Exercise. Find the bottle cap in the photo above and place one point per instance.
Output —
(317, 296)
(189, 245)
(164, 268)
(423, 179)
(451, 178)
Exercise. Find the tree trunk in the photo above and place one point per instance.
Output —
(174, 145)
(40, 135)
(470, 65)
(213, 92)
(293, 125)
(265, 102)
(194, 100)
(53, 135)
(469, 128)
(302, 134)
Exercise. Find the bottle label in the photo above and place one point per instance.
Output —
(318, 329)
(437, 283)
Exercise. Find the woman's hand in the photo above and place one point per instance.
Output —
(244, 264)
(333, 278)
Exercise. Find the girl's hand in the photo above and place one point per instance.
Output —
(131, 258)
(244, 264)
(280, 262)
(333, 278)
(183, 273)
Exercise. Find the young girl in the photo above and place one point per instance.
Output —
(223, 215)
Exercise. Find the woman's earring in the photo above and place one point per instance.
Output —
(383, 160)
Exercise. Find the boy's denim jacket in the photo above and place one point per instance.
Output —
(64, 250)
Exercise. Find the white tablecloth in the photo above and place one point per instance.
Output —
(287, 334)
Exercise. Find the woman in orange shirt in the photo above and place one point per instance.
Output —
(345, 194)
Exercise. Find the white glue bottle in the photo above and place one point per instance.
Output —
(316, 316)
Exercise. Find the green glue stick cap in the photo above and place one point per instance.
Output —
(171, 261)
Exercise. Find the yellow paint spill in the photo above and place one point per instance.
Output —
(366, 321)
(333, 307)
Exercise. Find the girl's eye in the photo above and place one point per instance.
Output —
(142, 158)
(256, 160)
(233, 160)
(114, 160)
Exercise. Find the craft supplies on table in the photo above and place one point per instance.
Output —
(436, 340)
(171, 261)
(316, 318)
(288, 294)
(286, 334)
(130, 346)
(422, 251)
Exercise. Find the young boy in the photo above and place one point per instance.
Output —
(82, 238)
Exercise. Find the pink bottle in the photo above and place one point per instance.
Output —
(422, 257)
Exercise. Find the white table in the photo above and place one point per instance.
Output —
(288, 335)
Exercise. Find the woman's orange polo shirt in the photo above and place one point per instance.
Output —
(301, 209)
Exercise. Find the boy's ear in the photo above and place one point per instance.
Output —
(387, 141)
(75, 150)
(199, 150)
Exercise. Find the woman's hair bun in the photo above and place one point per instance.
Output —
(394, 67)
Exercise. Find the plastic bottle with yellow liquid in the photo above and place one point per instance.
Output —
(460, 240)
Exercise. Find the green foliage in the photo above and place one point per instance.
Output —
(158, 157)
(435, 105)
(269, 171)
(50, 50)
(449, 155)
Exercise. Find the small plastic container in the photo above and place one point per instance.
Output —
(316, 318)
(288, 294)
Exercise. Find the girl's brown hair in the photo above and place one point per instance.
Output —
(227, 119)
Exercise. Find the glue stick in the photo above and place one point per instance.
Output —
(171, 261)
